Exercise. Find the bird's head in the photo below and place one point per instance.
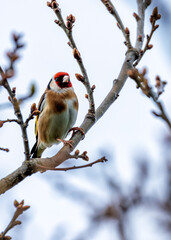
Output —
(59, 81)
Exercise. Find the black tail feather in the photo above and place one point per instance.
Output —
(34, 150)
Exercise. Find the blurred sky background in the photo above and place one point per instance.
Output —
(127, 130)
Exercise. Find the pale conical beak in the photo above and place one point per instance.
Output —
(65, 79)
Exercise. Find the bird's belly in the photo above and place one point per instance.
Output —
(55, 126)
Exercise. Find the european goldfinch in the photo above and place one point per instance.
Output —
(58, 108)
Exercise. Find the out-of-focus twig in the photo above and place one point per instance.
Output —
(20, 208)
(31, 92)
(13, 56)
(143, 83)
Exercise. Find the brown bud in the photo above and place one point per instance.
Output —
(20, 206)
(93, 87)
(76, 54)
(20, 45)
(148, 37)
(141, 52)
(77, 152)
(26, 207)
(17, 222)
(71, 18)
(7, 238)
(16, 203)
(1, 124)
(86, 158)
(144, 71)
(136, 16)
(150, 46)
(9, 98)
(148, 2)
(14, 90)
(69, 25)
(54, 5)
(157, 78)
(126, 30)
(22, 202)
(158, 83)
(69, 43)
(9, 73)
(140, 38)
(15, 37)
(79, 77)
(155, 15)
(86, 96)
(33, 107)
(158, 16)
(156, 26)
(155, 12)
(12, 56)
(133, 73)
(57, 22)
(49, 4)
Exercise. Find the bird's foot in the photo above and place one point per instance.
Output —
(75, 129)
(65, 142)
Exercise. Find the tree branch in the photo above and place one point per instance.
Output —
(140, 31)
(4, 149)
(140, 25)
(101, 160)
(112, 10)
(68, 31)
(13, 56)
(20, 208)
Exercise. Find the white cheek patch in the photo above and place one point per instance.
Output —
(54, 86)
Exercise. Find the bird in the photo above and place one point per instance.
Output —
(58, 108)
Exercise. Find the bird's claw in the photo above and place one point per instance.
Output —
(75, 129)
(66, 142)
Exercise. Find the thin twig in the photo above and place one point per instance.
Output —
(31, 116)
(112, 10)
(4, 149)
(140, 30)
(101, 160)
(72, 44)
(19, 116)
(9, 120)
(163, 114)
(20, 208)
(13, 56)
(20, 99)
(142, 82)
